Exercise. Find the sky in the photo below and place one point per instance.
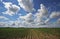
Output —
(27, 13)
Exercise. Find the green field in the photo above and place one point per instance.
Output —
(29, 33)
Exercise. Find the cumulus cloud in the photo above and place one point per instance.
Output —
(46, 21)
(10, 24)
(53, 15)
(3, 17)
(11, 8)
(27, 18)
(2, 24)
(37, 19)
(42, 13)
(58, 21)
(27, 5)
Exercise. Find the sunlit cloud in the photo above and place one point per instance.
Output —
(42, 13)
(12, 9)
(28, 18)
(53, 15)
(27, 5)
(4, 18)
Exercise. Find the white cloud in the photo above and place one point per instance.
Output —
(4, 18)
(2, 24)
(36, 19)
(42, 13)
(11, 8)
(55, 14)
(46, 21)
(27, 18)
(27, 5)
(58, 21)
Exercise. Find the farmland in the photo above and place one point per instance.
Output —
(29, 33)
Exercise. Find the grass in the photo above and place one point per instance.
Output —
(13, 32)
(30, 33)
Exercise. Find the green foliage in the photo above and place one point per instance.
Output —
(23, 32)
(13, 32)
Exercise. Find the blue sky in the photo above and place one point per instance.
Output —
(29, 10)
